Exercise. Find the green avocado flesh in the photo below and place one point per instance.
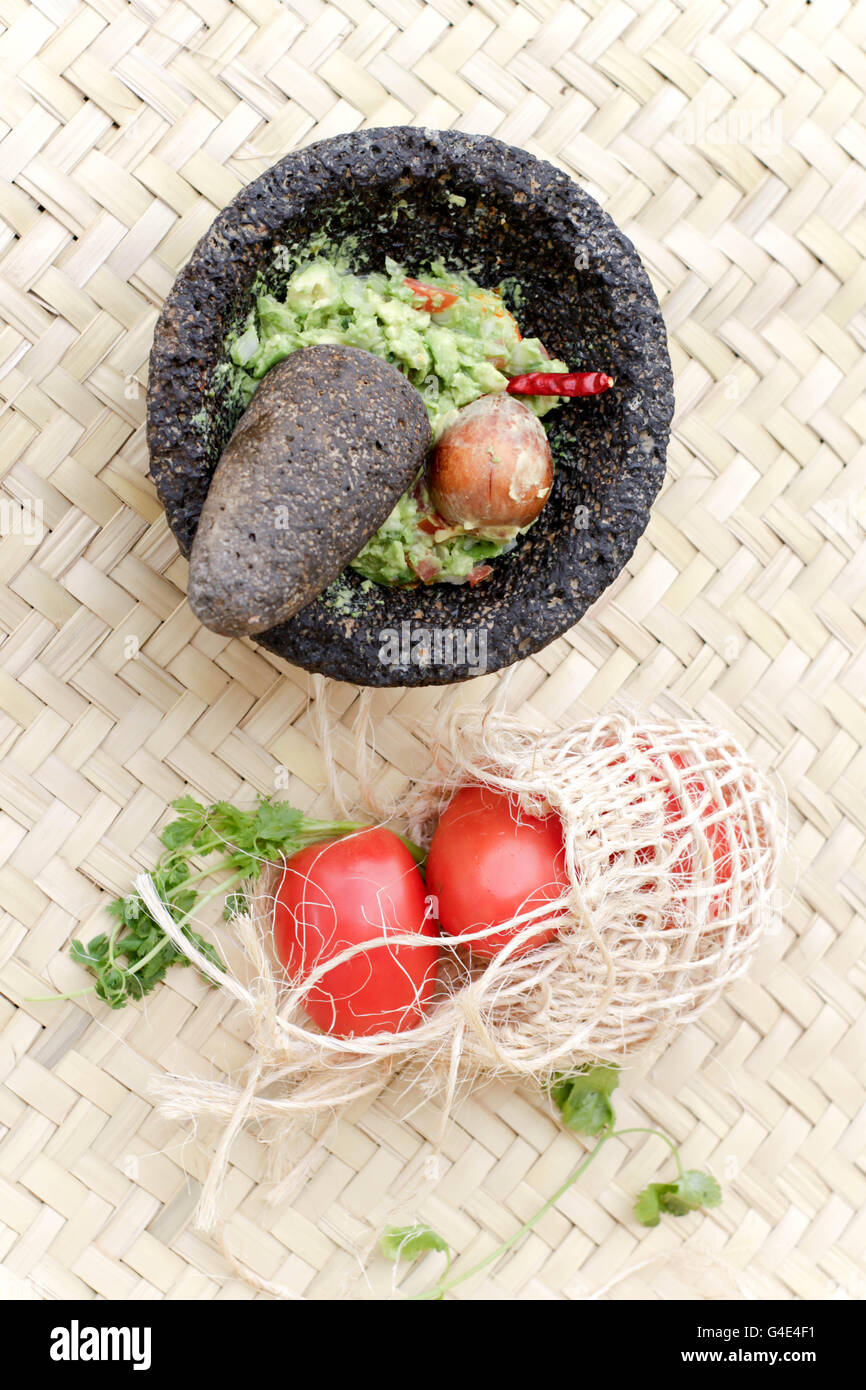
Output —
(453, 355)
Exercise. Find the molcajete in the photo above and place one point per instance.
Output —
(506, 218)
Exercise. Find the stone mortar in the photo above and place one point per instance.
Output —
(583, 291)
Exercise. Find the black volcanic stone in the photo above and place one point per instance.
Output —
(583, 291)
(328, 444)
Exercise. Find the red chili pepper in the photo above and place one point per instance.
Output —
(560, 384)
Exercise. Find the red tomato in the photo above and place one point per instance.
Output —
(339, 893)
(435, 300)
(712, 825)
(476, 575)
(489, 862)
(682, 871)
(425, 568)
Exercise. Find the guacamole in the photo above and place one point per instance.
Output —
(454, 340)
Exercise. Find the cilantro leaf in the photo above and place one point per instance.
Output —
(275, 823)
(182, 831)
(408, 1242)
(86, 955)
(179, 833)
(133, 957)
(692, 1191)
(647, 1207)
(583, 1098)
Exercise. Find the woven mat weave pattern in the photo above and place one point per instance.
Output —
(728, 142)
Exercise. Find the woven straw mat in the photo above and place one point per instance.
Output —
(727, 140)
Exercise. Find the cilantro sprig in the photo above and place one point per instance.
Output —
(583, 1099)
(127, 961)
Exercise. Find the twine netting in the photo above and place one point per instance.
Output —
(672, 844)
